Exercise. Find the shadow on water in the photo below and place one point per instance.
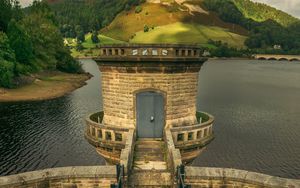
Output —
(256, 105)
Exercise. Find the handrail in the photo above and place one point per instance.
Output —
(181, 177)
(120, 177)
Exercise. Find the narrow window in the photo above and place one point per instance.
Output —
(99, 133)
(118, 137)
(93, 132)
(182, 52)
(179, 137)
(205, 132)
(116, 52)
(104, 52)
(177, 52)
(189, 52)
(145, 52)
(110, 51)
(164, 52)
(122, 51)
(107, 135)
(190, 136)
(199, 133)
(135, 52)
(195, 52)
(154, 52)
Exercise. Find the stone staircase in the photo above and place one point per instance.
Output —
(150, 165)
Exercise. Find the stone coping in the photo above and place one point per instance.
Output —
(142, 60)
(174, 156)
(103, 126)
(126, 157)
(192, 127)
(139, 45)
(59, 173)
(239, 176)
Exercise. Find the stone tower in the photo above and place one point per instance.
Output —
(149, 88)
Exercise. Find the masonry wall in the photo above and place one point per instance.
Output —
(203, 177)
(65, 177)
(119, 95)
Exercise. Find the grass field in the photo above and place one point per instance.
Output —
(188, 33)
(126, 24)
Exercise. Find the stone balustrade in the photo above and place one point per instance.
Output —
(192, 139)
(150, 52)
(225, 177)
(109, 140)
(65, 177)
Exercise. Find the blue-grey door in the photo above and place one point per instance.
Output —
(150, 115)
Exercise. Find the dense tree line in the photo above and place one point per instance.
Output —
(263, 35)
(77, 17)
(30, 42)
(261, 12)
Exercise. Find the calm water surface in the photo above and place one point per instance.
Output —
(257, 127)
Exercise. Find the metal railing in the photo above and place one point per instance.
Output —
(120, 177)
(181, 177)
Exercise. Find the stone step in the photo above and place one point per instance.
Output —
(149, 158)
(150, 165)
(150, 178)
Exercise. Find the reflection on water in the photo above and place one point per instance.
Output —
(38, 135)
(256, 105)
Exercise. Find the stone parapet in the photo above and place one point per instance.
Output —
(225, 177)
(109, 140)
(173, 154)
(192, 139)
(65, 177)
(126, 157)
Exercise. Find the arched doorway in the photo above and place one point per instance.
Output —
(150, 115)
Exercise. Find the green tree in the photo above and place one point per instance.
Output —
(138, 9)
(20, 42)
(79, 46)
(7, 62)
(146, 28)
(94, 37)
(5, 14)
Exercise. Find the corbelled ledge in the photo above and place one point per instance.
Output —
(110, 140)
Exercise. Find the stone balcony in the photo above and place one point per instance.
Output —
(110, 140)
(191, 140)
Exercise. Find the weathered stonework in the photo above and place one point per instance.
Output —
(224, 177)
(170, 70)
(119, 96)
(65, 177)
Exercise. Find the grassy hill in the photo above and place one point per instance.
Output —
(174, 23)
(239, 23)
(188, 33)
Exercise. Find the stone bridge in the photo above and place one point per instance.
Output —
(277, 57)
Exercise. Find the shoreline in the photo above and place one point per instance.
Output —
(54, 86)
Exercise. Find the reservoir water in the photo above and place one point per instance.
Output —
(256, 105)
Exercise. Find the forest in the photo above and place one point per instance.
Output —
(30, 42)
(267, 26)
